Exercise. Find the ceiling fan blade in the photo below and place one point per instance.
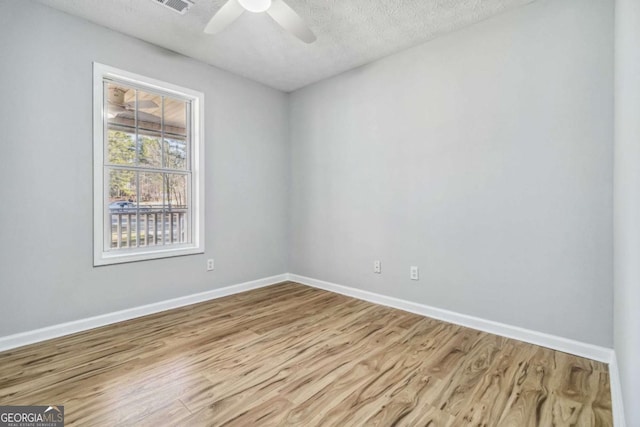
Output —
(114, 109)
(146, 104)
(225, 16)
(143, 104)
(146, 117)
(113, 106)
(290, 21)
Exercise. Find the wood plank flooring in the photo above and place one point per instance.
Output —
(293, 355)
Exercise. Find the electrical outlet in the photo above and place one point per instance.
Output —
(413, 273)
(377, 267)
(210, 264)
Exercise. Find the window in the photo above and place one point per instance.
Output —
(148, 168)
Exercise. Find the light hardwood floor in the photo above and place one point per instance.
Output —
(293, 355)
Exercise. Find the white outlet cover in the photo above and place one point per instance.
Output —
(377, 267)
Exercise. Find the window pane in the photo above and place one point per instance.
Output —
(176, 191)
(122, 208)
(122, 147)
(149, 111)
(120, 104)
(176, 210)
(151, 188)
(151, 208)
(175, 154)
(175, 116)
(150, 154)
(124, 232)
(122, 187)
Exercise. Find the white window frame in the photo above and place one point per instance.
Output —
(102, 256)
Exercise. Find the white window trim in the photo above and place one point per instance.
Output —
(101, 256)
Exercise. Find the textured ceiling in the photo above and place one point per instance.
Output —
(350, 32)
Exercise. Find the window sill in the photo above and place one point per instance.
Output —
(135, 255)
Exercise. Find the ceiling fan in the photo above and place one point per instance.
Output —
(117, 105)
(277, 9)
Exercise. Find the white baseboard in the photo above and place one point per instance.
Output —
(617, 406)
(590, 351)
(30, 337)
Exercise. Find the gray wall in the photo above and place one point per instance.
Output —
(483, 157)
(627, 205)
(46, 273)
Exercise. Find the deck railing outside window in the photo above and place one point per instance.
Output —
(148, 226)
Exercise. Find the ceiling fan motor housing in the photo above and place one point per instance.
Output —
(116, 95)
(255, 6)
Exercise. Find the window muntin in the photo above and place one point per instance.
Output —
(150, 168)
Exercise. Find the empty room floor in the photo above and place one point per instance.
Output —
(294, 355)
